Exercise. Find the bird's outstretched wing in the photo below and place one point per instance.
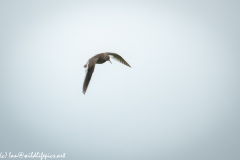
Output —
(118, 58)
(90, 69)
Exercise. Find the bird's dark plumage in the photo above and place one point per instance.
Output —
(99, 59)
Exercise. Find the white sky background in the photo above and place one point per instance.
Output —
(180, 99)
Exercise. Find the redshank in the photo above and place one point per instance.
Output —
(99, 59)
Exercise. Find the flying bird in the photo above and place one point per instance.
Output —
(99, 59)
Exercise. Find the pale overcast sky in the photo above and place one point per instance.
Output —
(179, 101)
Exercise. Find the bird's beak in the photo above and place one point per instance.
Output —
(110, 61)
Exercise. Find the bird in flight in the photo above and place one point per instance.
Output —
(99, 59)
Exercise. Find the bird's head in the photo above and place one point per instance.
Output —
(108, 58)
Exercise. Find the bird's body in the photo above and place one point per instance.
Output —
(99, 59)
